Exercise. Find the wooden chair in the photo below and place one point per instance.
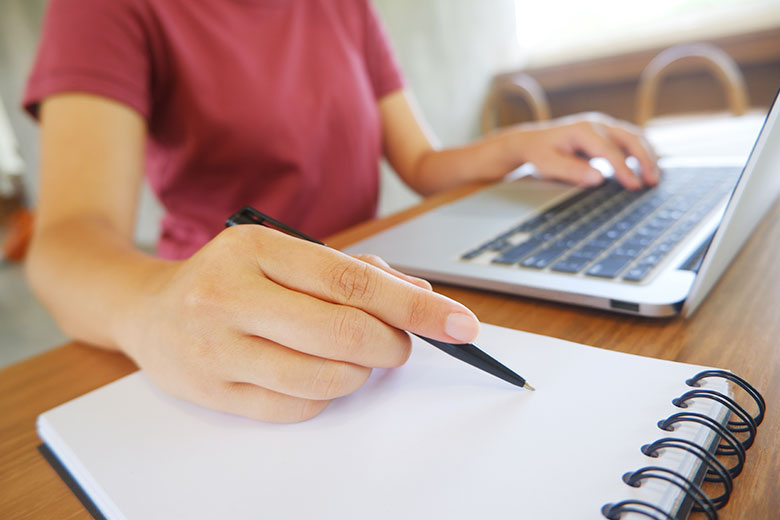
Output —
(716, 61)
(515, 85)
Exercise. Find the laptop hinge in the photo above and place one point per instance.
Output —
(693, 262)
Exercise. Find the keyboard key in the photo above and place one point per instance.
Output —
(665, 246)
(573, 235)
(571, 265)
(624, 250)
(624, 224)
(550, 214)
(543, 258)
(586, 253)
(579, 233)
(637, 241)
(610, 266)
(651, 259)
(600, 242)
(497, 245)
(473, 253)
(610, 235)
(638, 272)
(660, 224)
(555, 229)
(516, 253)
(649, 232)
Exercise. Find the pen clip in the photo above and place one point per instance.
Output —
(249, 215)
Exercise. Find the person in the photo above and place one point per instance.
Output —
(285, 105)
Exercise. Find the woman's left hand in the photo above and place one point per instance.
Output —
(561, 149)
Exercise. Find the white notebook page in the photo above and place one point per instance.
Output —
(435, 438)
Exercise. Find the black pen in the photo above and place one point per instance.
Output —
(466, 352)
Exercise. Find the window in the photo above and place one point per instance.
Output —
(554, 31)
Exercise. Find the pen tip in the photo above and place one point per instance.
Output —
(529, 387)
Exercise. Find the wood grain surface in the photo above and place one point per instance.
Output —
(737, 327)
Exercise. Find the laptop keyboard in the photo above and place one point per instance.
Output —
(610, 232)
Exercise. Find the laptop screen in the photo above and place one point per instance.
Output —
(755, 192)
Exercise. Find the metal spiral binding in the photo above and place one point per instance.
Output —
(747, 423)
(715, 466)
(727, 444)
(703, 502)
(734, 447)
(744, 385)
(614, 511)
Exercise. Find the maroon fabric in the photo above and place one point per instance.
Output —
(269, 103)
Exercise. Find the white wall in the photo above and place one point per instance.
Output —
(11, 163)
(19, 26)
(449, 50)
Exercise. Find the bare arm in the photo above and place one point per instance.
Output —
(200, 331)
(82, 255)
(559, 149)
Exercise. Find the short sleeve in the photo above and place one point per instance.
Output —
(94, 46)
(386, 76)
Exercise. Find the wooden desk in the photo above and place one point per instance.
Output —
(737, 327)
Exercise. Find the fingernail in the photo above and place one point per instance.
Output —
(463, 327)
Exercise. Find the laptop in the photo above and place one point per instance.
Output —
(655, 252)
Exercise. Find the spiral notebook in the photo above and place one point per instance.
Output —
(435, 438)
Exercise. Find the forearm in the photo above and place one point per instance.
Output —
(415, 156)
(89, 276)
(484, 160)
(559, 150)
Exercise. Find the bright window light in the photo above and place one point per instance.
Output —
(553, 31)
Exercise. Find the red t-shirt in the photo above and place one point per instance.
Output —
(268, 103)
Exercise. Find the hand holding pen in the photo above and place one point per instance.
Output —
(462, 350)
(272, 327)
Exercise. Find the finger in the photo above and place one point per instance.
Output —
(266, 364)
(320, 328)
(594, 142)
(637, 145)
(570, 169)
(262, 404)
(380, 263)
(332, 276)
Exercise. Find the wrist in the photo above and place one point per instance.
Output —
(134, 307)
(512, 147)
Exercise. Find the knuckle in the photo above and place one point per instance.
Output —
(237, 235)
(200, 297)
(240, 241)
(595, 117)
(352, 281)
(367, 257)
(584, 124)
(402, 352)
(308, 409)
(211, 394)
(417, 311)
(287, 410)
(349, 331)
(373, 259)
(335, 379)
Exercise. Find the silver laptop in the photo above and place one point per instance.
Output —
(655, 252)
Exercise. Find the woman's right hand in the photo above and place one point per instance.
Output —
(268, 326)
(256, 323)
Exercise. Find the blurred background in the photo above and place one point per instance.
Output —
(474, 65)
